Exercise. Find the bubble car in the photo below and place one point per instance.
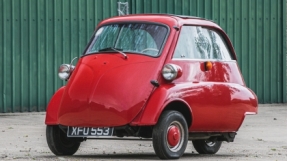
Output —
(169, 78)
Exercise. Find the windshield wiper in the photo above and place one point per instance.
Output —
(115, 49)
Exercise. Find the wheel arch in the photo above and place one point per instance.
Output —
(53, 107)
(164, 98)
(182, 107)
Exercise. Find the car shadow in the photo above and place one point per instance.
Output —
(142, 156)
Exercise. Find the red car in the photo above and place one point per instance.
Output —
(167, 77)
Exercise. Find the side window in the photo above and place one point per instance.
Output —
(202, 43)
(220, 50)
(196, 42)
(185, 47)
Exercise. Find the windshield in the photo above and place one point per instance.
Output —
(138, 38)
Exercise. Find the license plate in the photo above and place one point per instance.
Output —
(89, 131)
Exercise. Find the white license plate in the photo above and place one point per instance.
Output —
(89, 131)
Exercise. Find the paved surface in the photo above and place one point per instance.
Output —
(261, 137)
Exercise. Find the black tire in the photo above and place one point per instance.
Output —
(59, 143)
(206, 146)
(170, 135)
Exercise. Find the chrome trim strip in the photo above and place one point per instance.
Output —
(217, 60)
(250, 113)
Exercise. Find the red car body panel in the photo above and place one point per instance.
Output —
(94, 93)
(222, 105)
(53, 107)
(107, 90)
(212, 106)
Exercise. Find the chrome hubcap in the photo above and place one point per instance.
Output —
(175, 136)
(210, 143)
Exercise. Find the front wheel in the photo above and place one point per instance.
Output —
(206, 146)
(59, 143)
(170, 135)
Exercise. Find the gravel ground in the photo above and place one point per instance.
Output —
(261, 137)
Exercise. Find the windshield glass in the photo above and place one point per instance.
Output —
(138, 38)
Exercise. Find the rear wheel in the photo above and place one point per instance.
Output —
(206, 146)
(59, 143)
(170, 135)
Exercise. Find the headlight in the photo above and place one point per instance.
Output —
(65, 71)
(171, 71)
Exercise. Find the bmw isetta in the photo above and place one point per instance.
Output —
(170, 78)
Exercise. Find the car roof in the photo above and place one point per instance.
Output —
(169, 15)
(179, 16)
(163, 18)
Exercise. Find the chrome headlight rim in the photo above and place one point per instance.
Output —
(65, 71)
(170, 72)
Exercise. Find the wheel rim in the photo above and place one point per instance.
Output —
(175, 136)
(210, 143)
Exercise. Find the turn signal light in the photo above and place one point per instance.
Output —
(207, 65)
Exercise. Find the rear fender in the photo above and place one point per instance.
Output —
(53, 107)
(158, 102)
